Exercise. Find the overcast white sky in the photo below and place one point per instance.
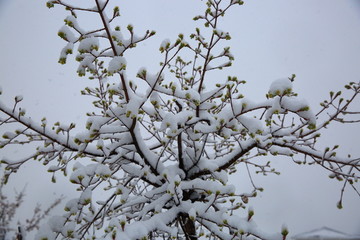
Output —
(319, 40)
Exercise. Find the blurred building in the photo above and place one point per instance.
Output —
(325, 233)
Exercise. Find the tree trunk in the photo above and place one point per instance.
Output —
(188, 226)
(19, 234)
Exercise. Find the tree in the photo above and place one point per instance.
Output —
(160, 148)
(9, 209)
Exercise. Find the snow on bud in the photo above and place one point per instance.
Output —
(70, 21)
(72, 206)
(78, 175)
(65, 51)
(88, 44)
(165, 45)
(56, 223)
(114, 222)
(123, 222)
(332, 175)
(116, 64)
(9, 135)
(66, 34)
(68, 230)
(221, 176)
(45, 233)
(53, 168)
(86, 62)
(177, 180)
(85, 197)
(103, 170)
(100, 144)
(280, 87)
(250, 213)
(192, 214)
(301, 108)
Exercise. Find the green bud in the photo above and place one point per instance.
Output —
(62, 35)
(116, 11)
(50, 4)
(62, 60)
(250, 214)
(284, 231)
(311, 126)
(130, 28)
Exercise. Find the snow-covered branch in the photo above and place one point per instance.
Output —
(159, 146)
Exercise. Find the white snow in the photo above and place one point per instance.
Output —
(68, 34)
(117, 64)
(56, 223)
(280, 86)
(88, 44)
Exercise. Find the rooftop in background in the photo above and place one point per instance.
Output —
(325, 233)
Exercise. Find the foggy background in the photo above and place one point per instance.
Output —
(318, 40)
